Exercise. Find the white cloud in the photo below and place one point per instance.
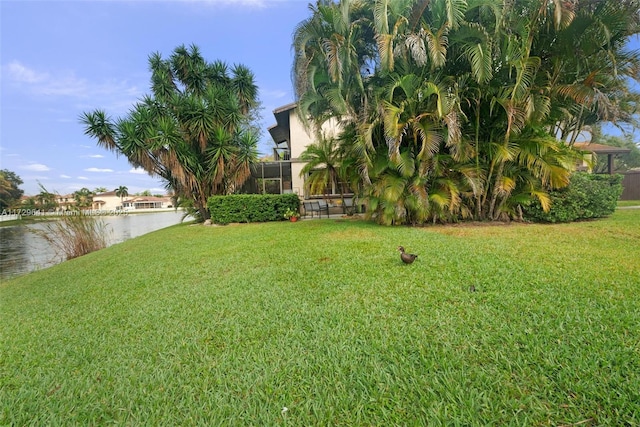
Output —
(83, 178)
(22, 74)
(274, 93)
(36, 167)
(115, 93)
(65, 176)
(138, 171)
(98, 170)
(95, 156)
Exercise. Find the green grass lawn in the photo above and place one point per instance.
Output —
(197, 325)
(625, 203)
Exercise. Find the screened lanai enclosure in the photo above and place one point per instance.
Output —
(275, 177)
(269, 178)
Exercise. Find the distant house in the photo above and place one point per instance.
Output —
(65, 202)
(110, 201)
(147, 202)
(106, 201)
(601, 150)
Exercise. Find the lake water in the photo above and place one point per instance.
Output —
(23, 251)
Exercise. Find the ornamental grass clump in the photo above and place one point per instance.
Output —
(75, 234)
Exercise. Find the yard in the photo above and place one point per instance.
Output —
(319, 323)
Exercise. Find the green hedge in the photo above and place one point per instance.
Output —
(587, 196)
(251, 207)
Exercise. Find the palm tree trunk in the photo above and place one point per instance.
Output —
(494, 195)
(477, 147)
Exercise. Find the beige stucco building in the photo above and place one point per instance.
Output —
(106, 201)
(291, 139)
(284, 173)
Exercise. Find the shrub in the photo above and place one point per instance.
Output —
(251, 207)
(587, 196)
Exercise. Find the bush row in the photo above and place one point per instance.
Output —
(251, 207)
(587, 196)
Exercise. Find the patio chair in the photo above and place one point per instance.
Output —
(323, 206)
(313, 206)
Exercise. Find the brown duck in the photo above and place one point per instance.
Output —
(405, 257)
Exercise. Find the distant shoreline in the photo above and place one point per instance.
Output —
(33, 217)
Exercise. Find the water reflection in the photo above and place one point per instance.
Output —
(23, 251)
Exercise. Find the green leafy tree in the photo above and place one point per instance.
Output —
(99, 190)
(194, 131)
(10, 192)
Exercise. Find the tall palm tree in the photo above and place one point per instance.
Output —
(122, 192)
(194, 131)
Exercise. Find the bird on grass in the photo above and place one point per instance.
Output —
(405, 257)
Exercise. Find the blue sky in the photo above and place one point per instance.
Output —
(60, 58)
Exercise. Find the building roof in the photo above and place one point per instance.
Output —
(108, 193)
(600, 148)
(280, 131)
(149, 199)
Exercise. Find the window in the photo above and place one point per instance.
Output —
(333, 189)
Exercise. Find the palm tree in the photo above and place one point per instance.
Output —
(122, 192)
(323, 165)
(332, 48)
(83, 198)
(458, 112)
(194, 131)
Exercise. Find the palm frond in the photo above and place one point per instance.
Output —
(385, 51)
(437, 45)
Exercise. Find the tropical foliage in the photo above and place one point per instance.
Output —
(325, 167)
(195, 130)
(83, 198)
(464, 108)
(122, 192)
